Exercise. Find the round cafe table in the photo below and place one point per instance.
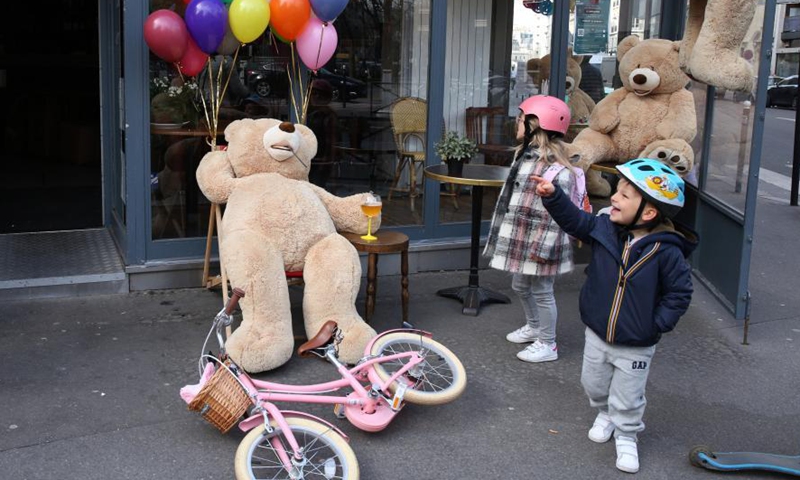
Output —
(472, 295)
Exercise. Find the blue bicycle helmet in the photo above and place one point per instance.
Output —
(658, 183)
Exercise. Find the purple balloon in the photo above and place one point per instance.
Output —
(328, 10)
(206, 20)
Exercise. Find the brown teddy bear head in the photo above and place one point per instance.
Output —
(270, 146)
(539, 70)
(650, 66)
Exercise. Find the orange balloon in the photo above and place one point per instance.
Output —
(288, 17)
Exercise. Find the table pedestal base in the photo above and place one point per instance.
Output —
(473, 297)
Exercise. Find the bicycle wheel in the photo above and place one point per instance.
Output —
(327, 455)
(438, 379)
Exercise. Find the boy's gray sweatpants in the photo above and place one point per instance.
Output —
(614, 377)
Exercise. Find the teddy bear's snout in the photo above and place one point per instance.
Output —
(570, 84)
(287, 127)
(643, 81)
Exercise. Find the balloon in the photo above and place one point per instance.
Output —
(248, 19)
(193, 60)
(317, 43)
(289, 17)
(328, 10)
(166, 35)
(229, 42)
(206, 21)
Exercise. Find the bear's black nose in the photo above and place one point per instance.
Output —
(287, 127)
(639, 79)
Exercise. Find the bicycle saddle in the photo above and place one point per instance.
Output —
(322, 338)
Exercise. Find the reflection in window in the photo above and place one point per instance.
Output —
(729, 155)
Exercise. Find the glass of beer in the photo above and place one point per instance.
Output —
(371, 208)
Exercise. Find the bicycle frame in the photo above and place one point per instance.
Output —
(368, 409)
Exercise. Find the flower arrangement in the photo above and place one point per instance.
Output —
(173, 103)
(455, 147)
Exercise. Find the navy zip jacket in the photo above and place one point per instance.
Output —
(632, 294)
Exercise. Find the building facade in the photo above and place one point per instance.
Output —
(97, 142)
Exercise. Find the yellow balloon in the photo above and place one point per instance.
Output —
(248, 19)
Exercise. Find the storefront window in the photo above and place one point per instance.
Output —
(257, 87)
(493, 62)
(729, 155)
(370, 114)
(381, 58)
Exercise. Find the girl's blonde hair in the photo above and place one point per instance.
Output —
(550, 146)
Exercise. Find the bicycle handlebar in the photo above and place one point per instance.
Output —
(234, 300)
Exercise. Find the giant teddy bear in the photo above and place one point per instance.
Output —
(652, 115)
(711, 42)
(276, 221)
(580, 103)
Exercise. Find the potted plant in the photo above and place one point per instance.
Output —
(455, 151)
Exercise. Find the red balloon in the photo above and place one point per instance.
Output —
(166, 35)
(194, 60)
(289, 17)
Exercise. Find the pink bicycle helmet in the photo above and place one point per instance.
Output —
(552, 112)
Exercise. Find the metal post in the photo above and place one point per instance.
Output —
(795, 157)
(747, 303)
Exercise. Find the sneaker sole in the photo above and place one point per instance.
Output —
(521, 341)
(541, 360)
(626, 470)
(601, 439)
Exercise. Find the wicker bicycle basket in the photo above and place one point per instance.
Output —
(221, 401)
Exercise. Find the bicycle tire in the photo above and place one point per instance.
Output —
(442, 377)
(308, 433)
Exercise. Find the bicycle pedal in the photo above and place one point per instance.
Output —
(338, 410)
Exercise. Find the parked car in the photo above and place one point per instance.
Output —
(266, 78)
(343, 86)
(783, 93)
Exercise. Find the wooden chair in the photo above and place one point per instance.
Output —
(408, 119)
(488, 128)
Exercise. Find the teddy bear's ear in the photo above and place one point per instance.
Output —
(234, 127)
(625, 45)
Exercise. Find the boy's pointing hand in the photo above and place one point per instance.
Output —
(543, 187)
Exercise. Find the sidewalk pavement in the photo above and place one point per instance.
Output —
(89, 390)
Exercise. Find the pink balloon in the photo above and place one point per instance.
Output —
(166, 35)
(194, 60)
(317, 43)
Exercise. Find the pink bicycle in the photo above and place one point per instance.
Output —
(398, 366)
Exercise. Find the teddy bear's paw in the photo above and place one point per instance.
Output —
(674, 160)
(725, 69)
(356, 336)
(674, 153)
(258, 353)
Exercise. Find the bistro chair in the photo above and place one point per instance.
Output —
(408, 119)
(488, 128)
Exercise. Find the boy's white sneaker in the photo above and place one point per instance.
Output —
(602, 429)
(523, 334)
(539, 352)
(627, 454)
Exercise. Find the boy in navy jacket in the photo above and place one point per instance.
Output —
(638, 286)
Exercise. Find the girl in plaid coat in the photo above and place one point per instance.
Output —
(523, 239)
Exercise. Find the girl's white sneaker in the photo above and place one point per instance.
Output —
(523, 334)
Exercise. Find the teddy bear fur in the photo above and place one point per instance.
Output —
(711, 42)
(580, 103)
(276, 221)
(651, 116)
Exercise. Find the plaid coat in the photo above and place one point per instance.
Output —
(523, 237)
